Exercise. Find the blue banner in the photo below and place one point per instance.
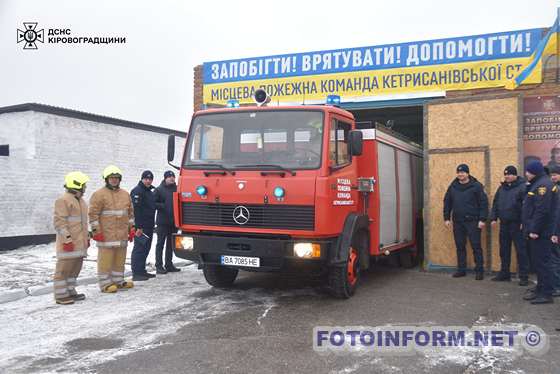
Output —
(504, 45)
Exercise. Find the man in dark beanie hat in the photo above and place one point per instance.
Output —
(463, 168)
(537, 214)
(466, 203)
(506, 207)
(144, 202)
(165, 223)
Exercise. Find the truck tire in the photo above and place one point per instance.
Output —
(219, 276)
(343, 279)
(360, 241)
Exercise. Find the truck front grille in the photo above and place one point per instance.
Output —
(289, 217)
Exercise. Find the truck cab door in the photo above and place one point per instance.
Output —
(342, 170)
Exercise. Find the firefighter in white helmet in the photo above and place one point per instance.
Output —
(112, 223)
(71, 225)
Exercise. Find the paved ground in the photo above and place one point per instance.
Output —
(272, 331)
(264, 324)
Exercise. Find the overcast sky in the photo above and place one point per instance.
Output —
(150, 78)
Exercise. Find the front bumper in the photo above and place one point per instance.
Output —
(274, 253)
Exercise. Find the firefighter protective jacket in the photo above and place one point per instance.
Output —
(111, 213)
(71, 225)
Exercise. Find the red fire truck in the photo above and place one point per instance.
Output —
(294, 188)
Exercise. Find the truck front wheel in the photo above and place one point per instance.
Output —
(219, 276)
(343, 280)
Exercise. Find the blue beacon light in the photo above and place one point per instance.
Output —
(333, 100)
(232, 104)
(279, 192)
(201, 191)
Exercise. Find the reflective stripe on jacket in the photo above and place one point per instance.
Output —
(111, 213)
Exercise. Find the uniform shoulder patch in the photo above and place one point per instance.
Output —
(555, 188)
(541, 190)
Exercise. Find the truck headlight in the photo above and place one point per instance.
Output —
(184, 242)
(307, 250)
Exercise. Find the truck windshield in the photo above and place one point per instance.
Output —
(281, 139)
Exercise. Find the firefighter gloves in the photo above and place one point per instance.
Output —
(131, 234)
(98, 237)
(68, 247)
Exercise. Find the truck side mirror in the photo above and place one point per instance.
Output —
(356, 142)
(171, 150)
(170, 147)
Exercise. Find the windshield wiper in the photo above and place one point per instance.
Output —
(218, 166)
(278, 167)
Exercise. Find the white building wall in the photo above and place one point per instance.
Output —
(44, 147)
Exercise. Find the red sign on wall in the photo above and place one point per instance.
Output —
(541, 130)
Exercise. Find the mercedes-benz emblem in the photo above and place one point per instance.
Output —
(241, 215)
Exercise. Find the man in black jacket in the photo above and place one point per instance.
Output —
(506, 207)
(467, 204)
(165, 223)
(537, 215)
(144, 203)
(555, 251)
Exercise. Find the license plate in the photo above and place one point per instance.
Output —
(253, 262)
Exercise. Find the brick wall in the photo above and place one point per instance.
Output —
(197, 93)
(44, 147)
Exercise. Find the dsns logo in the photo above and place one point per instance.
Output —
(30, 35)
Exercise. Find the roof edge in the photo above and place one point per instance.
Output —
(49, 109)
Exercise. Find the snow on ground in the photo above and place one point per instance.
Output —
(491, 360)
(36, 334)
(34, 265)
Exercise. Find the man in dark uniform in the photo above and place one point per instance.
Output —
(555, 250)
(506, 207)
(165, 223)
(537, 228)
(466, 201)
(144, 202)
